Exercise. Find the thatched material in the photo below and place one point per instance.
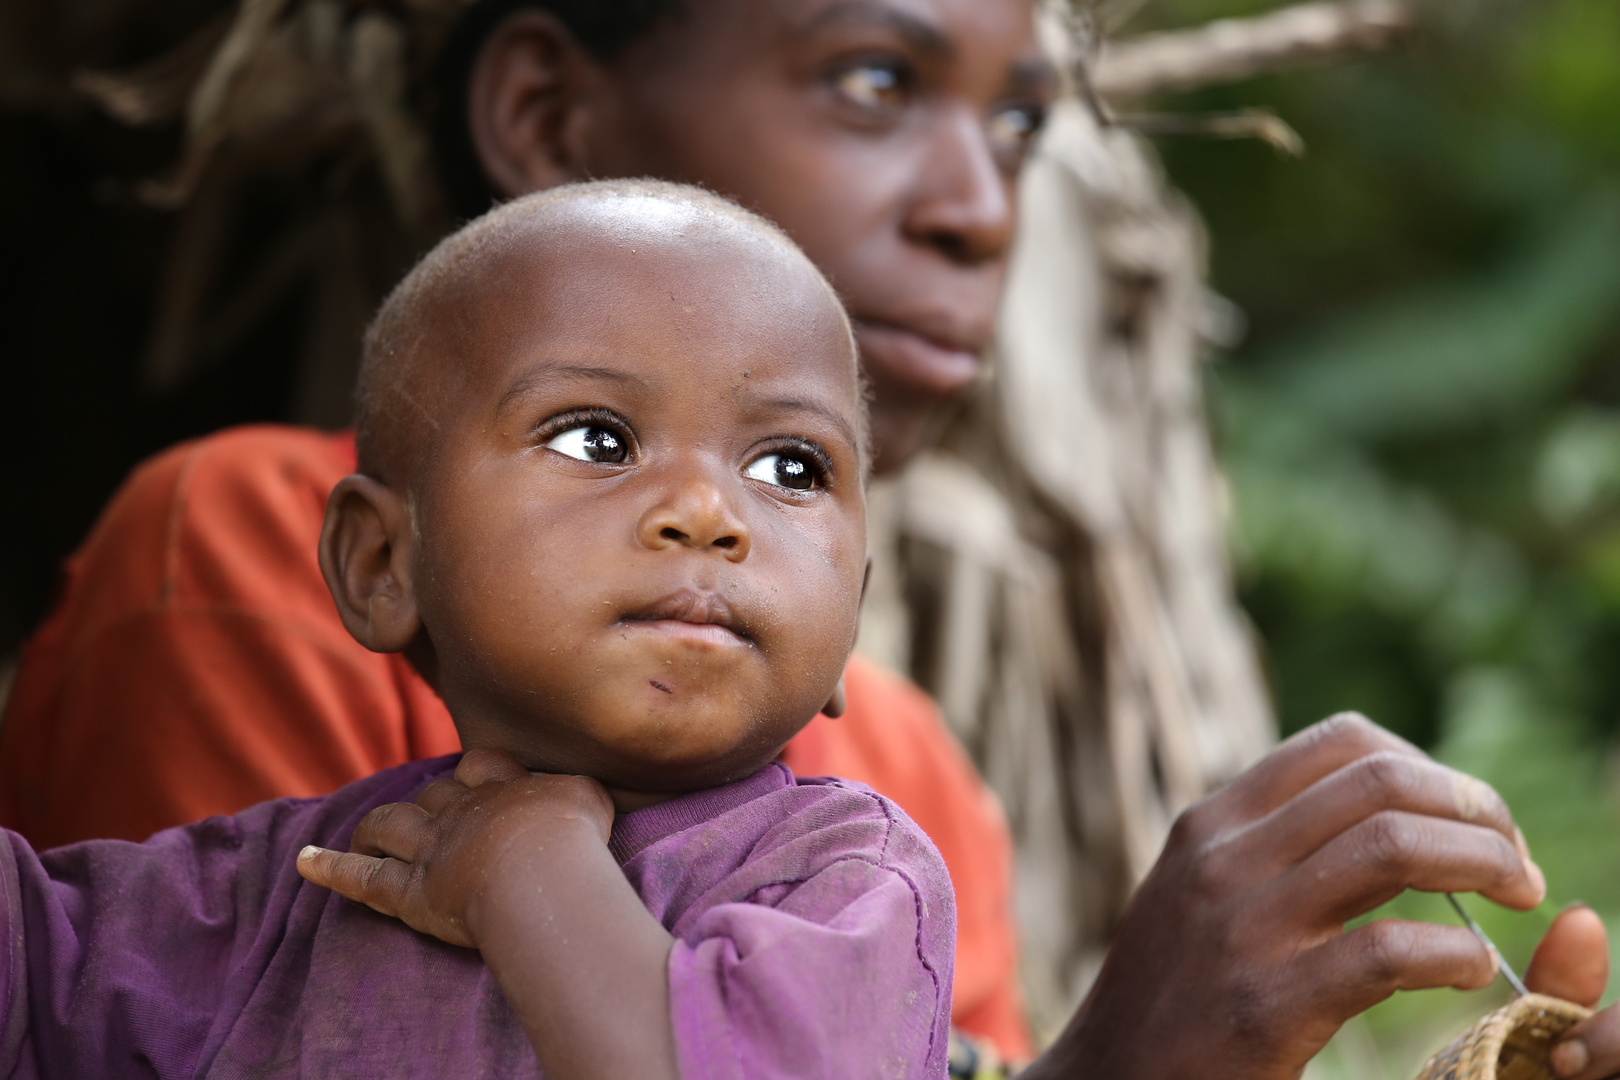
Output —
(1511, 1043)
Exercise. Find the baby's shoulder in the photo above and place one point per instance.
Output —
(838, 838)
(848, 819)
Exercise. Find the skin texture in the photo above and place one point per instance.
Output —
(629, 629)
(1232, 956)
(1263, 876)
(884, 137)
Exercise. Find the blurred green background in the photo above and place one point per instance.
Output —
(1422, 423)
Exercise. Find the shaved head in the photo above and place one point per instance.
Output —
(471, 291)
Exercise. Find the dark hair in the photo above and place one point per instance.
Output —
(604, 27)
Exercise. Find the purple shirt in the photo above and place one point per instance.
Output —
(813, 923)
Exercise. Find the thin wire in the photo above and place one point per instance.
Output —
(1501, 964)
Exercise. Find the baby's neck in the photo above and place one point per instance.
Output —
(626, 802)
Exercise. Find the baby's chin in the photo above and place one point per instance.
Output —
(672, 753)
(640, 745)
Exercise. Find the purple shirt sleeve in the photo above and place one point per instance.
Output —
(16, 1057)
(830, 958)
(814, 928)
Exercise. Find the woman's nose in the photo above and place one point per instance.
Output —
(963, 205)
(697, 513)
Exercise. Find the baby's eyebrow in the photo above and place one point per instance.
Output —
(838, 419)
(544, 373)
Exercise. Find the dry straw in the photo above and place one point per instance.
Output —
(1511, 1043)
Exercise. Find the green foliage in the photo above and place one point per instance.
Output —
(1423, 427)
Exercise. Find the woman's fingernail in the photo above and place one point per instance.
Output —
(1570, 1057)
(309, 852)
(1538, 877)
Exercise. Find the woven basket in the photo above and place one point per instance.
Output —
(1510, 1044)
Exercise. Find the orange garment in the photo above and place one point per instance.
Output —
(196, 664)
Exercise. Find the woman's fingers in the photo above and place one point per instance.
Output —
(1303, 759)
(1382, 781)
(1393, 850)
(1350, 973)
(1592, 1050)
(1572, 961)
(381, 884)
(480, 766)
(393, 829)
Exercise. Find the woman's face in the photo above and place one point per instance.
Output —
(885, 136)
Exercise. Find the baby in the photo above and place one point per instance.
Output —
(612, 448)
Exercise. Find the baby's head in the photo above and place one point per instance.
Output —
(610, 493)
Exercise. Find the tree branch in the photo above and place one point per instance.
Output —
(1233, 49)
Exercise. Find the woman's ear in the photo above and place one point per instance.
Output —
(529, 104)
(365, 558)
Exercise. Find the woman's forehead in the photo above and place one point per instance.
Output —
(943, 29)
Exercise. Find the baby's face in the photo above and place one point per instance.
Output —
(641, 529)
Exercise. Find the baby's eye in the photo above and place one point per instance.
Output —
(783, 470)
(1014, 128)
(873, 84)
(591, 442)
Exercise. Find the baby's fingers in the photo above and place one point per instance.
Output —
(387, 886)
(380, 884)
(395, 829)
(480, 766)
(1592, 1050)
(440, 795)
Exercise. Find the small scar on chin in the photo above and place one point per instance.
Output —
(661, 686)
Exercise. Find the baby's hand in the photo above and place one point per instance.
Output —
(430, 863)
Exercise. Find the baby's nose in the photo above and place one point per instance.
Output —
(696, 514)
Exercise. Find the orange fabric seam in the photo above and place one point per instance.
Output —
(177, 514)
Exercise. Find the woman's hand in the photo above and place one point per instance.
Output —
(1233, 959)
(1572, 962)
(431, 862)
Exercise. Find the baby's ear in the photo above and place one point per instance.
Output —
(365, 558)
(838, 703)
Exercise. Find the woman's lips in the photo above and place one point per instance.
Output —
(894, 354)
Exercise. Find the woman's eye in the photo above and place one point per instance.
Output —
(591, 442)
(1013, 129)
(783, 470)
(872, 85)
